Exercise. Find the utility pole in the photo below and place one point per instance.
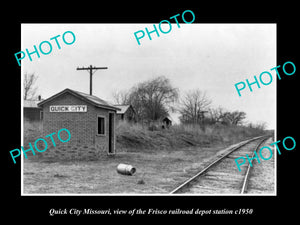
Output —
(91, 68)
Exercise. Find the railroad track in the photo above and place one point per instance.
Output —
(222, 176)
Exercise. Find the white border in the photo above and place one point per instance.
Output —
(22, 119)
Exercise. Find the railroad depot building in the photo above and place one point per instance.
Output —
(90, 120)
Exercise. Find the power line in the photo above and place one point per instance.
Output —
(91, 68)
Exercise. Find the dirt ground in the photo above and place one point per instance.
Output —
(157, 172)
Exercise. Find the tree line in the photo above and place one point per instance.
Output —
(156, 98)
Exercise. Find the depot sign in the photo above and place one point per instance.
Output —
(68, 108)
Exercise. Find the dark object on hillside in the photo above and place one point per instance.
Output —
(167, 122)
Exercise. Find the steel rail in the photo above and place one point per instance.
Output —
(246, 178)
(185, 183)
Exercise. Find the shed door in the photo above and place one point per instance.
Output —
(111, 133)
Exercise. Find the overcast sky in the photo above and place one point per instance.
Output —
(210, 57)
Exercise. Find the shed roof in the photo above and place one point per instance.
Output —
(94, 100)
(123, 108)
(31, 103)
(167, 118)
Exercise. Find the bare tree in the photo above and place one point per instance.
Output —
(193, 105)
(28, 84)
(121, 97)
(234, 118)
(259, 125)
(153, 99)
(217, 114)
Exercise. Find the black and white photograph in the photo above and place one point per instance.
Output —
(172, 108)
(149, 111)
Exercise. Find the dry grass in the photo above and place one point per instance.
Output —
(181, 136)
(32, 131)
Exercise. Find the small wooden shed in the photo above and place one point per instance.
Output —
(126, 113)
(166, 122)
(31, 111)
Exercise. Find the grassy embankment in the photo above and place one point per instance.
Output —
(135, 136)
